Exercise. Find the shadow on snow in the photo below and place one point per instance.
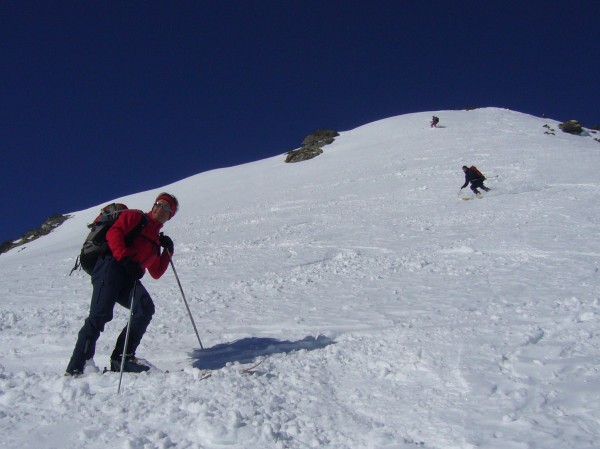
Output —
(248, 349)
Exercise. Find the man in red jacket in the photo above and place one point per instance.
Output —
(114, 277)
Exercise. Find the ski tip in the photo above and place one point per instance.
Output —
(468, 198)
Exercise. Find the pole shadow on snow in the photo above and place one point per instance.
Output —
(248, 349)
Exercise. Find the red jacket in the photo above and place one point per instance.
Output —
(145, 248)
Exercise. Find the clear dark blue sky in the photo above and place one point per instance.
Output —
(100, 99)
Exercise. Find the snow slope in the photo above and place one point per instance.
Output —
(388, 312)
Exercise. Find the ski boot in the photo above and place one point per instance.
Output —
(131, 365)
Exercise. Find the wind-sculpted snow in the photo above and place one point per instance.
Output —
(387, 313)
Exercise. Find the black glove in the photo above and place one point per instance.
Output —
(166, 242)
(132, 268)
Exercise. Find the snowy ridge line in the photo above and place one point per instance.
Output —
(433, 323)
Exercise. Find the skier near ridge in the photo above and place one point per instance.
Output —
(113, 280)
(475, 177)
(434, 121)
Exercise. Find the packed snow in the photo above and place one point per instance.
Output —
(385, 311)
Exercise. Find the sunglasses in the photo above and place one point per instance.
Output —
(164, 206)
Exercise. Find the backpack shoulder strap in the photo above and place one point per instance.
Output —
(129, 238)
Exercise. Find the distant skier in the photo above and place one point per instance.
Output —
(434, 121)
(475, 177)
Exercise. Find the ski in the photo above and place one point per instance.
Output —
(204, 374)
(250, 370)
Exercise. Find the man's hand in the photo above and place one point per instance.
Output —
(166, 243)
(132, 268)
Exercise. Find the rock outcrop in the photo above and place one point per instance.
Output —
(571, 127)
(312, 145)
(47, 227)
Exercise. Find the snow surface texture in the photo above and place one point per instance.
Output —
(388, 312)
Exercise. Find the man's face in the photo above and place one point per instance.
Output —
(161, 211)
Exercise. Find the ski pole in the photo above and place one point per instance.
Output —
(184, 300)
(124, 354)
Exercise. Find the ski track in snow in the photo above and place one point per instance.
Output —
(394, 314)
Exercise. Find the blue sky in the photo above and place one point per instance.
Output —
(100, 99)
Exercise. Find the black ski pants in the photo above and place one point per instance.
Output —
(111, 285)
(478, 184)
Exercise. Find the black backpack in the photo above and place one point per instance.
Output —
(95, 244)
